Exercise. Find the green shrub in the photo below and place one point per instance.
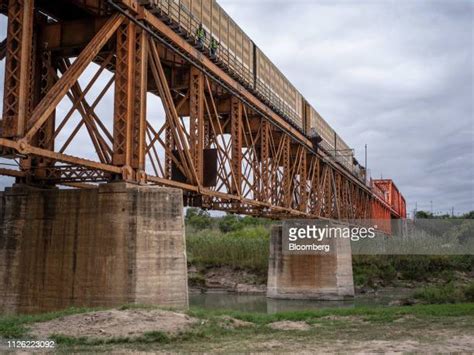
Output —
(441, 294)
(247, 248)
(198, 219)
(387, 269)
(469, 292)
(361, 279)
(229, 223)
(233, 223)
(371, 269)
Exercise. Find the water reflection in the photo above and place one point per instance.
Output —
(260, 304)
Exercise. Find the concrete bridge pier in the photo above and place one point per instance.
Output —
(318, 277)
(117, 244)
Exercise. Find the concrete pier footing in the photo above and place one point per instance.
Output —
(113, 245)
(318, 277)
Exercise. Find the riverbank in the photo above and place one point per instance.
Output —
(230, 254)
(446, 328)
(242, 290)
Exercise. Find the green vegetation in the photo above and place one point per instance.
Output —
(215, 331)
(449, 293)
(231, 240)
(146, 338)
(243, 243)
(241, 249)
(199, 220)
(388, 270)
(429, 215)
(376, 314)
(469, 292)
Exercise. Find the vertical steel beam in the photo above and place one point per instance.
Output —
(45, 137)
(236, 139)
(208, 136)
(47, 79)
(265, 160)
(335, 195)
(196, 120)
(140, 103)
(17, 92)
(287, 183)
(169, 147)
(303, 191)
(328, 201)
(130, 100)
(125, 94)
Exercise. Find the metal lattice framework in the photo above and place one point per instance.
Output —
(215, 140)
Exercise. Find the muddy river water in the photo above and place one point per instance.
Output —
(259, 303)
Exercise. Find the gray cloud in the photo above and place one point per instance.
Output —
(396, 75)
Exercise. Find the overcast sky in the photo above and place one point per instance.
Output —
(396, 75)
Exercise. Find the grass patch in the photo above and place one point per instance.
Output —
(330, 324)
(378, 314)
(146, 338)
(448, 293)
(210, 330)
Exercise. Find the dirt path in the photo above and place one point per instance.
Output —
(462, 344)
(114, 323)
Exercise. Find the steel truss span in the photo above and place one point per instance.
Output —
(179, 118)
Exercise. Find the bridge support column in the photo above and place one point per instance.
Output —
(318, 277)
(113, 245)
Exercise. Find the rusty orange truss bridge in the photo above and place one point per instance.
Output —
(223, 143)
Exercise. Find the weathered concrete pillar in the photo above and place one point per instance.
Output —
(113, 245)
(319, 277)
